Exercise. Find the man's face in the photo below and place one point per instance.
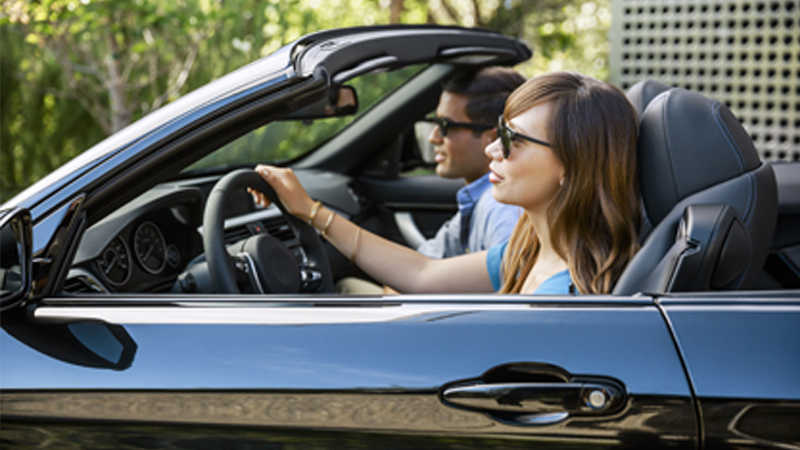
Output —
(459, 154)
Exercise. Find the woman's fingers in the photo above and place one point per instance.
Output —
(263, 170)
(288, 188)
(259, 198)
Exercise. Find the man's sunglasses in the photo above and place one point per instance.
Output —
(507, 135)
(446, 124)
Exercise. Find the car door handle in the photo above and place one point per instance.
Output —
(538, 403)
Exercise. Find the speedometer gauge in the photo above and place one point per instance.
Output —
(115, 262)
(150, 247)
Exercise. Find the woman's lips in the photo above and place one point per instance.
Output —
(439, 157)
(494, 178)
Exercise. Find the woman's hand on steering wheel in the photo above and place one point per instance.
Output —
(288, 189)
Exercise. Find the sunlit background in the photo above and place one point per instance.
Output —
(74, 71)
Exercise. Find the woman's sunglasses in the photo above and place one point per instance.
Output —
(507, 135)
(446, 124)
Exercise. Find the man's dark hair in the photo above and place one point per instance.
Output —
(486, 90)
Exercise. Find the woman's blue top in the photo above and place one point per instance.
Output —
(558, 284)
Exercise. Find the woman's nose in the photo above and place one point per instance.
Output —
(494, 149)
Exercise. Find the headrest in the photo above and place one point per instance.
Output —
(641, 93)
(688, 142)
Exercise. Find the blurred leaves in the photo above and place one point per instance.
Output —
(75, 71)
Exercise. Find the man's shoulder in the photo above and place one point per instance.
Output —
(493, 221)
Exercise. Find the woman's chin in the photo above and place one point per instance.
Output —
(497, 193)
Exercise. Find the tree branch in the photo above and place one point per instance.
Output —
(395, 11)
(77, 91)
(476, 10)
(176, 82)
(451, 11)
(429, 17)
(120, 113)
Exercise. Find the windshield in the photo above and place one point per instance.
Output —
(281, 141)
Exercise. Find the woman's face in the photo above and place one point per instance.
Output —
(532, 174)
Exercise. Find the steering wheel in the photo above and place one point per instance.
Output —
(270, 264)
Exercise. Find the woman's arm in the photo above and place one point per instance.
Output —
(395, 265)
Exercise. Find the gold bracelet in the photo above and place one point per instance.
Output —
(328, 223)
(356, 241)
(314, 211)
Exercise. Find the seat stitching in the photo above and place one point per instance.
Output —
(751, 198)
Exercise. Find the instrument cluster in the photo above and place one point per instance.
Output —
(147, 255)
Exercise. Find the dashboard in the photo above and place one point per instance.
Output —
(143, 246)
(153, 244)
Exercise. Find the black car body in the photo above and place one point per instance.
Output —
(95, 358)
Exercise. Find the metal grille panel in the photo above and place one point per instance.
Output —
(744, 53)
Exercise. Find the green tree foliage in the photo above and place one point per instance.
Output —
(564, 34)
(75, 71)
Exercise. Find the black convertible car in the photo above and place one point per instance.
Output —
(119, 329)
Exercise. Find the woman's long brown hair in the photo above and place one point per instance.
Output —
(595, 216)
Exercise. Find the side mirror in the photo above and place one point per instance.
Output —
(15, 257)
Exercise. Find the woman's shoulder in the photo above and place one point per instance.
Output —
(494, 259)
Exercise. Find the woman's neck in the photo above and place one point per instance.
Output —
(548, 262)
(547, 252)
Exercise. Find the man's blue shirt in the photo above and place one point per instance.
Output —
(480, 223)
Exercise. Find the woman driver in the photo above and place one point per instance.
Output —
(566, 154)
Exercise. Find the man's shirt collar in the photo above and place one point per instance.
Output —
(468, 195)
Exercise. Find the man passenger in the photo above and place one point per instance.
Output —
(465, 124)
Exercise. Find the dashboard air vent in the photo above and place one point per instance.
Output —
(236, 234)
(280, 229)
(81, 285)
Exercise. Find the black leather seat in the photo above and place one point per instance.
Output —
(643, 92)
(712, 202)
(640, 95)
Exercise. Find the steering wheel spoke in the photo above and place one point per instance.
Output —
(246, 272)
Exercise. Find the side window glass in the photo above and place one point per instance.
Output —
(282, 141)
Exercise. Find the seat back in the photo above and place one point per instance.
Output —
(712, 202)
(642, 93)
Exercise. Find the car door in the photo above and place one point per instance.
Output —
(399, 372)
(741, 352)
